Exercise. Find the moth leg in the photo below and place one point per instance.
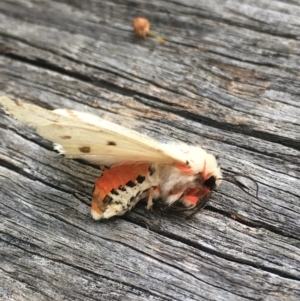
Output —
(150, 198)
(154, 193)
(172, 199)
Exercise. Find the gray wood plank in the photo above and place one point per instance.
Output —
(227, 79)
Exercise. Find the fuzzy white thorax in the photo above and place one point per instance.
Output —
(195, 156)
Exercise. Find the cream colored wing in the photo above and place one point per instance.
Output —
(86, 136)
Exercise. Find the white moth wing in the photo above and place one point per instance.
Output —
(86, 136)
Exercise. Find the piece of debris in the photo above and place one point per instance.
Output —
(141, 27)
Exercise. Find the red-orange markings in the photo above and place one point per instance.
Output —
(113, 178)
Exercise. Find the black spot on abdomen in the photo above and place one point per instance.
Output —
(122, 188)
(107, 200)
(140, 179)
(130, 184)
(115, 192)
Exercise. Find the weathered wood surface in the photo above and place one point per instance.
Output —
(228, 79)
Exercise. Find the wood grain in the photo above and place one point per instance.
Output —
(228, 78)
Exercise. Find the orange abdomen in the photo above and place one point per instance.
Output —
(113, 182)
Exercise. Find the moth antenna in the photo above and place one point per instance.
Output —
(232, 179)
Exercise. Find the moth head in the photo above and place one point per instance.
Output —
(201, 165)
(211, 173)
(210, 177)
(210, 182)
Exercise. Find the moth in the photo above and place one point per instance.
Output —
(138, 166)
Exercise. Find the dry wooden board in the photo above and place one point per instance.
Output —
(228, 78)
